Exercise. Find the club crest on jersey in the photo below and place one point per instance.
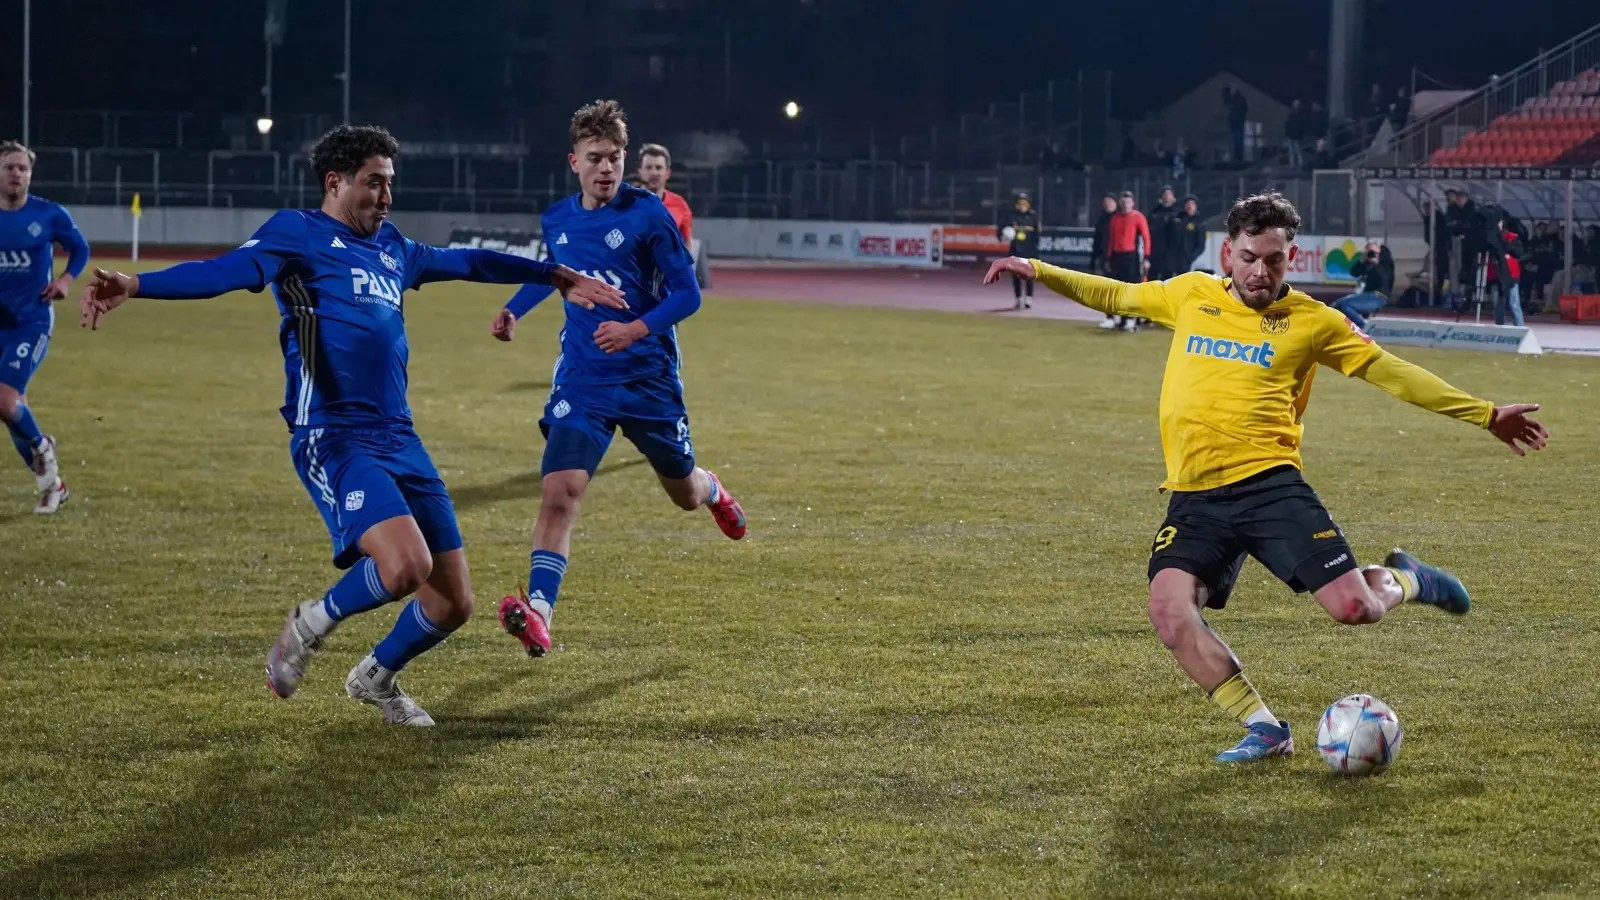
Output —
(35, 229)
(1275, 322)
(614, 239)
(388, 261)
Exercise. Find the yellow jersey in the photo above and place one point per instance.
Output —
(1238, 379)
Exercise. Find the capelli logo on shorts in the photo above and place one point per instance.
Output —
(353, 500)
(1330, 533)
(1334, 562)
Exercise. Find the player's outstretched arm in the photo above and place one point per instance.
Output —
(1418, 386)
(1147, 301)
(430, 264)
(71, 240)
(235, 271)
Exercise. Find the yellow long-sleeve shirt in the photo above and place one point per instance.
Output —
(1238, 379)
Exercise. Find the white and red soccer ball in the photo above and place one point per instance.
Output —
(1359, 735)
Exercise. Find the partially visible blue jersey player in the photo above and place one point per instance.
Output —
(618, 367)
(29, 225)
(339, 274)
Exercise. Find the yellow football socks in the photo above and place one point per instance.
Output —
(1238, 699)
(1408, 582)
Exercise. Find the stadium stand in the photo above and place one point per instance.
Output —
(1560, 128)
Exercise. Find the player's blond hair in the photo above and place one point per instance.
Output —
(656, 150)
(9, 147)
(601, 120)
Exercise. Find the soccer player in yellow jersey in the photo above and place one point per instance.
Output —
(1238, 377)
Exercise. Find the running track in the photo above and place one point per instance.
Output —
(962, 290)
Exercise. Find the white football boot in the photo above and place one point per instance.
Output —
(47, 478)
(291, 653)
(371, 683)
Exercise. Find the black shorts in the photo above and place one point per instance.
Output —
(1127, 267)
(1273, 516)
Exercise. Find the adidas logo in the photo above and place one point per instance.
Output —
(16, 364)
(562, 239)
(338, 243)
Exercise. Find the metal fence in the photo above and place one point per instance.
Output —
(853, 190)
(1506, 94)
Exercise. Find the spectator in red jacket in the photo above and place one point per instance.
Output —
(1127, 253)
(1505, 291)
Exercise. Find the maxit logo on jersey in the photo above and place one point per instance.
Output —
(1233, 351)
(15, 259)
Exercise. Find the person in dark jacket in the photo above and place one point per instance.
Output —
(1161, 234)
(1186, 237)
(1021, 230)
(1102, 232)
(1375, 268)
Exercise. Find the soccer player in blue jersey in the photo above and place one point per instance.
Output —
(29, 225)
(618, 367)
(339, 274)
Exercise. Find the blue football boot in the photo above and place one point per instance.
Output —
(1265, 739)
(1435, 586)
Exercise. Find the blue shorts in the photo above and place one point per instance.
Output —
(359, 477)
(580, 419)
(21, 352)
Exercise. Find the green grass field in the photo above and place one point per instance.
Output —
(926, 672)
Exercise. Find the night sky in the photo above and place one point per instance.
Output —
(898, 64)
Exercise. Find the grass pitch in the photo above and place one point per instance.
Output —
(926, 672)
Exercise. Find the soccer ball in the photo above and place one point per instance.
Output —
(1009, 233)
(1359, 735)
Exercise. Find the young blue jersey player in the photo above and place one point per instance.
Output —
(618, 367)
(339, 274)
(29, 226)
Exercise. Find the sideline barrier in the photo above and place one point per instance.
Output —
(1454, 335)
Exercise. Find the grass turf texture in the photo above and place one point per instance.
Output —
(927, 671)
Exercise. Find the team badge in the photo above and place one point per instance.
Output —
(560, 410)
(388, 261)
(614, 239)
(1276, 322)
(354, 500)
(35, 229)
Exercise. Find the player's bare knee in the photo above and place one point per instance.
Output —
(560, 498)
(1173, 604)
(1354, 607)
(10, 403)
(405, 569)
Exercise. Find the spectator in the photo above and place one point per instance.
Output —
(1400, 110)
(1021, 231)
(1160, 221)
(1318, 121)
(1438, 238)
(1180, 159)
(1375, 268)
(1188, 237)
(1321, 157)
(1377, 111)
(1502, 283)
(1294, 133)
(1127, 245)
(1238, 114)
(1102, 231)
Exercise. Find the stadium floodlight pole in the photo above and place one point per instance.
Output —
(345, 77)
(27, 64)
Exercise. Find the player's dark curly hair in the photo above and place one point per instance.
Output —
(347, 148)
(603, 119)
(1263, 212)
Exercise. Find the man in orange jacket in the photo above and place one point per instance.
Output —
(655, 167)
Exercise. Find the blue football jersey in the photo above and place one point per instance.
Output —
(633, 244)
(343, 331)
(27, 237)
